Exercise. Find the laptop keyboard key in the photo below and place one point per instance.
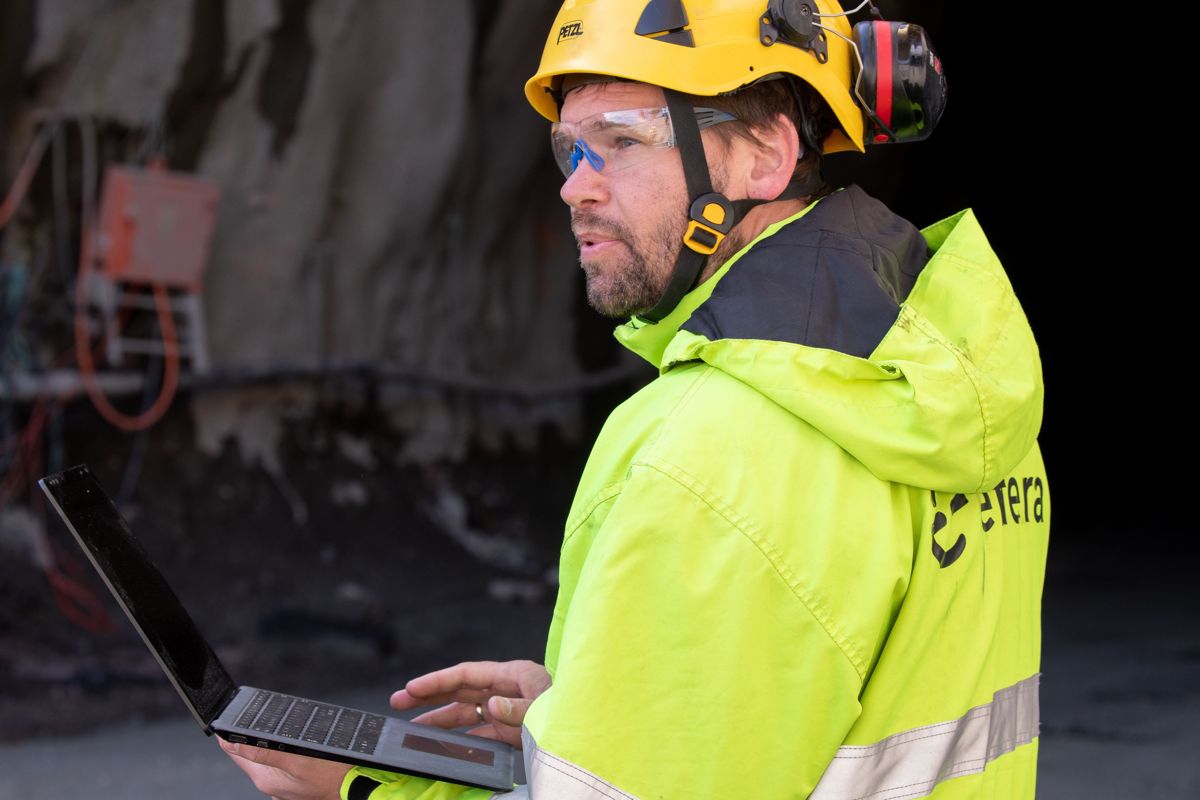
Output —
(296, 720)
(322, 721)
(271, 716)
(252, 708)
(368, 735)
(343, 730)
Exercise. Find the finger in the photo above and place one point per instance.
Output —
(500, 733)
(263, 757)
(503, 710)
(255, 755)
(404, 700)
(266, 778)
(533, 678)
(454, 715)
(287, 775)
(508, 710)
(469, 679)
(473, 682)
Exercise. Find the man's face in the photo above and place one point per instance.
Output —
(629, 224)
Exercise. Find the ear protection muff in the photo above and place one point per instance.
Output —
(899, 83)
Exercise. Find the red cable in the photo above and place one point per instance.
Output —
(25, 447)
(87, 367)
(72, 596)
(24, 175)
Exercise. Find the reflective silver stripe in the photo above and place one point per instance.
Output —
(554, 778)
(910, 764)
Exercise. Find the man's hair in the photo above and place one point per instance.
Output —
(759, 105)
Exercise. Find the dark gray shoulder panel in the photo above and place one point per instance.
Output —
(834, 279)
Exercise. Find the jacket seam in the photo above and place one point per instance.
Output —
(600, 498)
(972, 371)
(969, 370)
(968, 365)
(809, 288)
(768, 551)
(693, 485)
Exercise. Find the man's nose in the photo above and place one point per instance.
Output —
(585, 186)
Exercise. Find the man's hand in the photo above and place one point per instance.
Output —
(285, 776)
(502, 690)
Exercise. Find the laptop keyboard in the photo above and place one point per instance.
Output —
(309, 721)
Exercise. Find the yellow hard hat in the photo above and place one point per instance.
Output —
(701, 47)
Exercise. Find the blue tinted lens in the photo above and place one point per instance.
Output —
(582, 151)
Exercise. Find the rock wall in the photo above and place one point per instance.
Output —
(387, 197)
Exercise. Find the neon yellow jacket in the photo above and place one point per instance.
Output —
(807, 560)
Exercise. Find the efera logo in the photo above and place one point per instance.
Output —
(947, 557)
(570, 30)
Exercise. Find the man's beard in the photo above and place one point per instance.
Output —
(637, 280)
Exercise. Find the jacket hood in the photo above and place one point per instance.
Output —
(926, 371)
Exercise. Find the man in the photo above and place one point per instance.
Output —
(807, 560)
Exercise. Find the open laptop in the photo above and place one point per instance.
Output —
(243, 713)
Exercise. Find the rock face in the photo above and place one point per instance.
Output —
(386, 196)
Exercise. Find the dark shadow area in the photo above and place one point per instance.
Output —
(394, 571)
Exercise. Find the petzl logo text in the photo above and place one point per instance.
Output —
(570, 30)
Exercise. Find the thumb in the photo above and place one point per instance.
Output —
(508, 710)
(259, 755)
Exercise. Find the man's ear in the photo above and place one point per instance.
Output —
(775, 158)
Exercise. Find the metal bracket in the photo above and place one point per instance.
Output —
(792, 22)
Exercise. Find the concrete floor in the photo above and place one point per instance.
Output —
(176, 760)
(1120, 687)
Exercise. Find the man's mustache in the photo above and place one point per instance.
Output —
(591, 222)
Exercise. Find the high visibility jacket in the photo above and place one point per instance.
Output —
(807, 559)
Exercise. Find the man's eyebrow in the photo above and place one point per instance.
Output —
(608, 124)
(572, 128)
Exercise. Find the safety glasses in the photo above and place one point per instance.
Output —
(612, 141)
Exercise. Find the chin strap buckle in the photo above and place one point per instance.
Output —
(711, 218)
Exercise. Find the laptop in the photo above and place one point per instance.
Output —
(246, 714)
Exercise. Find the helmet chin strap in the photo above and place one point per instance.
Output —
(712, 215)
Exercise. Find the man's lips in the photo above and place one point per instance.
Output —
(591, 242)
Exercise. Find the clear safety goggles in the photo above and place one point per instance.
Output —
(612, 141)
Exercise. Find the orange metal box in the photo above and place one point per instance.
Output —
(156, 226)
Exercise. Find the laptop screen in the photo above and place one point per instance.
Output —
(142, 591)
